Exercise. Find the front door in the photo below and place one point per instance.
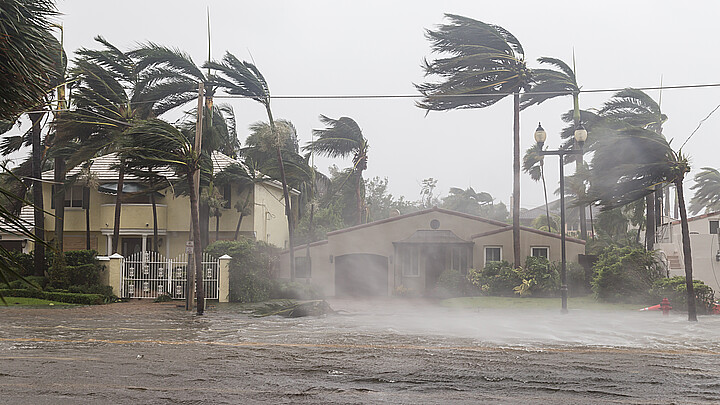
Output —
(435, 259)
(131, 245)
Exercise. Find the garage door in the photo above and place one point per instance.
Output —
(361, 275)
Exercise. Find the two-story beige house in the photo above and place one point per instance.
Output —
(266, 221)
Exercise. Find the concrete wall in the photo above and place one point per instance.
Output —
(528, 240)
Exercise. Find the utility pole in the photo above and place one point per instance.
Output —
(194, 272)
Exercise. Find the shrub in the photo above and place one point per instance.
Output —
(251, 268)
(70, 298)
(541, 275)
(75, 268)
(452, 283)
(496, 278)
(577, 280)
(625, 274)
(675, 290)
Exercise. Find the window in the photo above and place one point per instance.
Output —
(303, 267)
(539, 251)
(459, 259)
(227, 196)
(73, 197)
(714, 227)
(493, 254)
(410, 261)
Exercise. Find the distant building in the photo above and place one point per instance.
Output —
(704, 246)
(409, 252)
(572, 216)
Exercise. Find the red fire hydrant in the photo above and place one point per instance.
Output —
(665, 306)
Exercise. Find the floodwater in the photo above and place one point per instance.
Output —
(383, 351)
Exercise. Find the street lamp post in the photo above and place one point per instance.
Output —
(580, 137)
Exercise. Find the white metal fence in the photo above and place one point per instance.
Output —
(149, 275)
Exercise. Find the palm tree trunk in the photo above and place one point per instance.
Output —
(547, 206)
(197, 248)
(155, 222)
(359, 198)
(687, 256)
(39, 215)
(516, 178)
(242, 212)
(592, 223)
(286, 195)
(650, 222)
(204, 223)
(118, 208)
(579, 164)
(59, 202)
(217, 228)
(86, 203)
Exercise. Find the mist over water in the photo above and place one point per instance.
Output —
(388, 322)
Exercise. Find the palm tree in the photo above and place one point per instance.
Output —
(485, 64)
(551, 83)
(244, 79)
(635, 108)
(626, 168)
(533, 164)
(343, 137)
(27, 56)
(245, 177)
(707, 191)
(157, 143)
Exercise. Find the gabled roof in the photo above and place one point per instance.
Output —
(525, 228)
(422, 212)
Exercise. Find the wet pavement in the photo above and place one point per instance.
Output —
(384, 351)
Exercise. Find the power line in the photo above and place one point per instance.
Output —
(415, 96)
(699, 124)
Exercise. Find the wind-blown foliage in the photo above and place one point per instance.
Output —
(707, 191)
(628, 166)
(483, 64)
(27, 55)
(343, 137)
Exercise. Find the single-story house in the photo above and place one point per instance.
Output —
(409, 252)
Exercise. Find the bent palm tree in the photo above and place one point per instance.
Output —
(551, 83)
(343, 137)
(485, 64)
(627, 167)
(244, 79)
(157, 143)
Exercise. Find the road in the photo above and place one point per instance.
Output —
(386, 351)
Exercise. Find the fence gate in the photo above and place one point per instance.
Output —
(149, 275)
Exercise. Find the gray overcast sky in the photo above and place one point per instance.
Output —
(376, 47)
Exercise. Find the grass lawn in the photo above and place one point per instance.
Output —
(586, 302)
(33, 302)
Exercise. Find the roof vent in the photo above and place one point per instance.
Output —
(434, 224)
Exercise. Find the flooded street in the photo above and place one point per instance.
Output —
(386, 351)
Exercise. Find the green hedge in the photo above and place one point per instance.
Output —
(625, 274)
(675, 290)
(71, 298)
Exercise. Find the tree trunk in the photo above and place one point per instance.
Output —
(242, 212)
(118, 208)
(359, 198)
(217, 228)
(204, 223)
(286, 195)
(59, 202)
(547, 206)
(155, 222)
(86, 206)
(516, 179)
(579, 164)
(38, 211)
(687, 256)
(649, 222)
(658, 206)
(197, 248)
